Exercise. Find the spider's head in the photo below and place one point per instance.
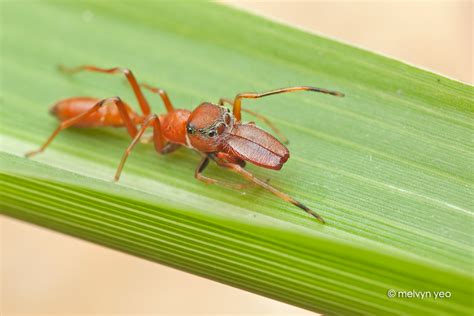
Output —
(208, 126)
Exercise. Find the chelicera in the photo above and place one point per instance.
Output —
(212, 130)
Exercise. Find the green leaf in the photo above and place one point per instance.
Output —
(389, 166)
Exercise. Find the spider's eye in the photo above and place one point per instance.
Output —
(228, 111)
(212, 133)
(190, 129)
(220, 129)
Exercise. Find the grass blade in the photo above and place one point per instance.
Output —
(389, 166)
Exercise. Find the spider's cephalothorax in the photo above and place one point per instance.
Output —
(208, 127)
(217, 131)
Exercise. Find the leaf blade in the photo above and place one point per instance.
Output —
(387, 166)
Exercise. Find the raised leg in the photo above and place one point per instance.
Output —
(132, 130)
(158, 139)
(263, 118)
(238, 99)
(250, 177)
(145, 107)
(163, 95)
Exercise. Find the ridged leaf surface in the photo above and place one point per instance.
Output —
(389, 166)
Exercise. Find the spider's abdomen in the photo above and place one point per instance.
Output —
(107, 115)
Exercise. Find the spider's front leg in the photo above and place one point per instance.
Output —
(250, 177)
(198, 174)
(272, 126)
